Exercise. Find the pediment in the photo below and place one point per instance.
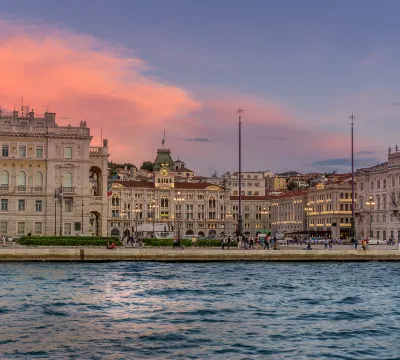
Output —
(117, 186)
(213, 188)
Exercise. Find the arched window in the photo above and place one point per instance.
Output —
(341, 195)
(67, 180)
(21, 179)
(164, 202)
(4, 178)
(346, 196)
(38, 180)
(211, 202)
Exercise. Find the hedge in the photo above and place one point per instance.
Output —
(67, 241)
(185, 242)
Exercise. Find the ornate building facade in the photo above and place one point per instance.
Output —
(51, 180)
(378, 189)
(329, 210)
(185, 207)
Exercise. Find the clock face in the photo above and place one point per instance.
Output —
(164, 172)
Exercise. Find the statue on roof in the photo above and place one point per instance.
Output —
(397, 148)
(390, 150)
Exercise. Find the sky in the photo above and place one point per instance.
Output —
(132, 68)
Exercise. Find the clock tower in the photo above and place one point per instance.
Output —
(163, 176)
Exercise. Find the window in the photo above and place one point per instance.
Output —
(37, 230)
(77, 226)
(38, 179)
(67, 229)
(21, 228)
(68, 153)
(67, 180)
(378, 184)
(384, 183)
(372, 185)
(4, 204)
(21, 179)
(39, 152)
(21, 204)
(4, 178)
(3, 227)
(39, 205)
(22, 151)
(393, 181)
(68, 205)
(5, 150)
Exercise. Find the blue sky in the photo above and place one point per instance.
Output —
(318, 60)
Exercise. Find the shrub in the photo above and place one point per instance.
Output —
(67, 241)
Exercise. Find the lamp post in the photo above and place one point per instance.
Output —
(136, 211)
(371, 203)
(308, 209)
(229, 218)
(154, 207)
(264, 213)
(55, 212)
(61, 210)
(179, 199)
(352, 220)
(240, 219)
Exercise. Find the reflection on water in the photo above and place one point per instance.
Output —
(191, 311)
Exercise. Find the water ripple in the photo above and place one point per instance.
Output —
(199, 311)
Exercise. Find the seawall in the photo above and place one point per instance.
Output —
(188, 255)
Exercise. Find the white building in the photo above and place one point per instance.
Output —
(51, 180)
(378, 189)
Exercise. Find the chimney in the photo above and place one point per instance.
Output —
(31, 115)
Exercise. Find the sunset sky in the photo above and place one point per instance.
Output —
(134, 68)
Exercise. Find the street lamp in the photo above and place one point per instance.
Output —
(371, 203)
(154, 207)
(264, 212)
(55, 212)
(308, 209)
(179, 199)
(136, 211)
(228, 217)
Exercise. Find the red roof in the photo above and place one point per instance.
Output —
(266, 197)
(132, 183)
(177, 185)
(183, 169)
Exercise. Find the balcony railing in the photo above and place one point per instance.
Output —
(38, 189)
(68, 190)
(4, 189)
(21, 189)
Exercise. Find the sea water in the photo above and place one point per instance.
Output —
(236, 310)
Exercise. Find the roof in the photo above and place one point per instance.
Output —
(177, 185)
(194, 185)
(266, 197)
(132, 183)
(272, 197)
(183, 169)
(163, 158)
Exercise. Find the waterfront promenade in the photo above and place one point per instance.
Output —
(190, 255)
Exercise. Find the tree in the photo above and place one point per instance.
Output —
(292, 186)
(147, 165)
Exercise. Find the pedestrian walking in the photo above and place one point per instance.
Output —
(193, 241)
(229, 241)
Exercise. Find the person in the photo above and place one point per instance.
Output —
(330, 244)
(175, 243)
(223, 242)
(3, 240)
(364, 244)
(325, 244)
(309, 246)
(193, 241)
(112, 246)
(266, 243)
(251, 243)
(229, 241)
(108, 245)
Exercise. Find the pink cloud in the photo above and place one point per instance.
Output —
(82, 78)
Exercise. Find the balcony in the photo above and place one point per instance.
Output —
(68, 190)
(21, 189)
(38, 189)
(4, 189)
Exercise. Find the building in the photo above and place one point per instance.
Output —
(256, 212)
(52, 180)
(378, 188)
(288, 213)
(276, 182)
(253, 183)
(329, 210)
(185, 207)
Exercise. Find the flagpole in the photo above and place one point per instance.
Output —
(164, 140)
